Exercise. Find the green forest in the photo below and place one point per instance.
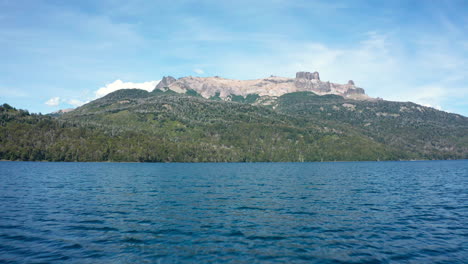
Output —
(137, 126)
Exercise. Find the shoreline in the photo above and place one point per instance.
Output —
(233, 162)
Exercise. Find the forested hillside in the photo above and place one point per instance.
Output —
(422, 131)
(135, 125)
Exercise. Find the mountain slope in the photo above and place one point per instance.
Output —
(166, 126)
(124, 126)
(423, 131)
(248, 133)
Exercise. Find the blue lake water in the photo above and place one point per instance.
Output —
(343, 212)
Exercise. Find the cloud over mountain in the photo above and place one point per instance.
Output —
(54, 101)
(119, 84)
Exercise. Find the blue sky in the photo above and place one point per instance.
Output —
(56, 54)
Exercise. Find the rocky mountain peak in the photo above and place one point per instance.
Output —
(165, 82)
(316, 76)
(308, 75)
(272, 86)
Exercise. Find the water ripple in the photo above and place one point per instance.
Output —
(355, 212)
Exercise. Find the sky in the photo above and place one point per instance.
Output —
(60, 54)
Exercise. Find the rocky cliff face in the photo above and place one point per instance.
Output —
(308, 75)
(165, 82)
(271, 86)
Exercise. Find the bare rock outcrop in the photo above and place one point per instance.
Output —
(356, 90)
(308, 81)
(165, 82)
(316, 76)
(272, 86)
(308, 75)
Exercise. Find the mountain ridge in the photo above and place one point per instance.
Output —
(263, 91)
(169, 126)
(273, 86)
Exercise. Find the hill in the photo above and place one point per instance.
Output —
(166, 126)
(405, 130)
(422, 131)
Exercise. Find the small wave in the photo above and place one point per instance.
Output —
(118, 212)
(74, 246)
(132, 240)
(266, 238)
(92, 228)
(235, 233)
(91, 222)
(402, 257)
(21, 238)
(340, 230)
(302, 213)
(250, 208)
(9, 226)
(171, 232)
(300, 250)
(310, 229)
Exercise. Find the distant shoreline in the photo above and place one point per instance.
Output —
(221, 162)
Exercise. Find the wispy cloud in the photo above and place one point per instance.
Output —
(378, 63)
(198, 71)
(78, 45)
(76, 102)
(9, 92)
(54, 101)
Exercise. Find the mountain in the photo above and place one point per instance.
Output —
(61, 112)
(409, 127)
(273, 86)
(201, 122)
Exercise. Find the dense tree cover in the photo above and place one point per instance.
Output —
(135, 125)
(425, 132)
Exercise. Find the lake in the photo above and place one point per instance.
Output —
(330, 212)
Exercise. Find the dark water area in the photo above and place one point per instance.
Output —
(350, 212)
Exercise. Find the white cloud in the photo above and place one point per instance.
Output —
(380, 63)
(119, 84)
(199, 71)
(109, 88)
(428, 95)
(54, 101)
(76, 102)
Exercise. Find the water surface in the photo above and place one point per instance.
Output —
(351, 212)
